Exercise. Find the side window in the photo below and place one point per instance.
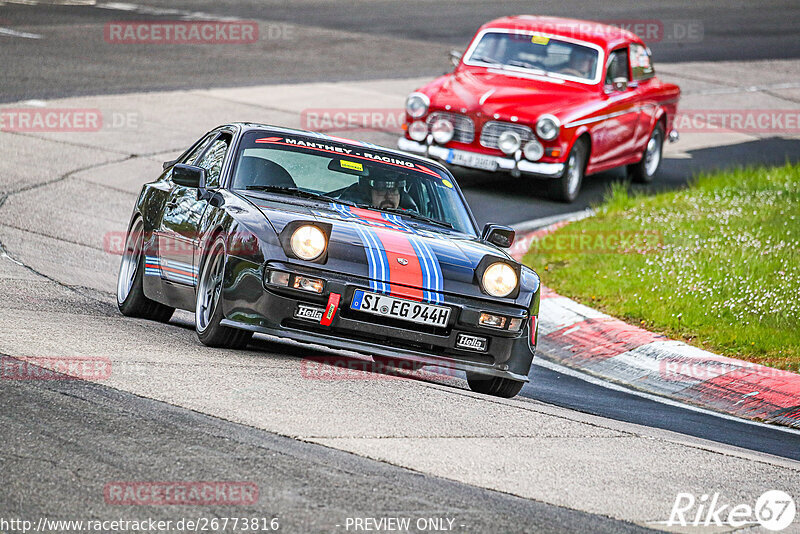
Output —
(617, 65)
(641, 64)
(213, 158)
(194, 154)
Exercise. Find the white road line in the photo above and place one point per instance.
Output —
(13, 33)
(547, 364)
(162, 12)
(535, 224)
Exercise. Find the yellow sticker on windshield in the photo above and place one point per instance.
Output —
(352, 165)
(540, 39)
(448, 183)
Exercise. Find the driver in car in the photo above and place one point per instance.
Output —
(580, 63)
(384, 192)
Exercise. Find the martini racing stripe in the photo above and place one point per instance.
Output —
(386, 237)
(176, 271)
(376, 258)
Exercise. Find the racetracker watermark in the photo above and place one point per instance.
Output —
(774, 510)
(54, 368)
(238, 244)
(770, 121)
(389, 120)
(599, 242)
(43, 120)
(171, 32)
(648, 30)
(181, 493)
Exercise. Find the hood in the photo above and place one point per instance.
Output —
(491, 92)
(401, 258)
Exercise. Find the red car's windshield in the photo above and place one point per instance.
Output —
(536, 53)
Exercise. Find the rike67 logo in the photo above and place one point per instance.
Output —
(774, 510)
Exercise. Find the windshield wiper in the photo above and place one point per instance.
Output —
(411, 214)
(529, 66)
(488, 60)
(297, 192)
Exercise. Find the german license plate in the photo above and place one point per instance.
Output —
(468, 159)
(407, 310)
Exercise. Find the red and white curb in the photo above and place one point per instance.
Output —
(581, 338)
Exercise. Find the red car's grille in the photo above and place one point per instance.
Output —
(464, 128)
(492, 130)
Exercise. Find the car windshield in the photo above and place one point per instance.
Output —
(536, 53)
(351, 173)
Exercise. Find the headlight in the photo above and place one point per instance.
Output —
(442, 131)
(499, 279)
(308, 242)
(418, 130)
(509, 142)
(417, 105)
(533, 150)
(547, 127)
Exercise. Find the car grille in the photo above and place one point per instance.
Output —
(492, 130)
(463, 127)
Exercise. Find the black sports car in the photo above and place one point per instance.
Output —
(324, 240)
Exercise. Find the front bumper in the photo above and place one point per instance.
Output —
(509, 354)
(544, 170)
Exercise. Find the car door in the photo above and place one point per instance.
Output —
(613, 136)
(178, 235)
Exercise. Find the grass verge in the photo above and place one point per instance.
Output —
(716, 264)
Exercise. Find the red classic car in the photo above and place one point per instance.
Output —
(546, 97)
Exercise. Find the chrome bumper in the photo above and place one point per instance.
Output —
(547, 170)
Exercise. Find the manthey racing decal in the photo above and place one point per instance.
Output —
(400, 262)
(351, 152)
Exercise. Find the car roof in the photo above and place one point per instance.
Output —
(247, 126)
(598, 33)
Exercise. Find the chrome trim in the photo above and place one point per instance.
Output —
(601, 117)
(491, 131)
(425, 99)
(555, 121)
(463, 126)
(546, 170)
(486, 95)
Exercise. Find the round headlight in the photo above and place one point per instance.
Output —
(500, 279)
(533, 150)
(418, 130)
(417, 105)
(509, 142)
(442, 131)
(547, 127)
(308, 242)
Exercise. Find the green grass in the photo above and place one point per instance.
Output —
(716, 264)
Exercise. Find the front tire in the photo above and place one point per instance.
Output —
(131, 299)
(568, 185)
(644, 171)
(494, 385)
(208, 306)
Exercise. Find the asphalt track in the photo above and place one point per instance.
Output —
(58, 67)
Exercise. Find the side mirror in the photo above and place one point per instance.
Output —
(496, 234)
(620, 84)
(189, 175)
(455, 57)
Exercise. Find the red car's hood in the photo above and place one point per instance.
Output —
(489, 93)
